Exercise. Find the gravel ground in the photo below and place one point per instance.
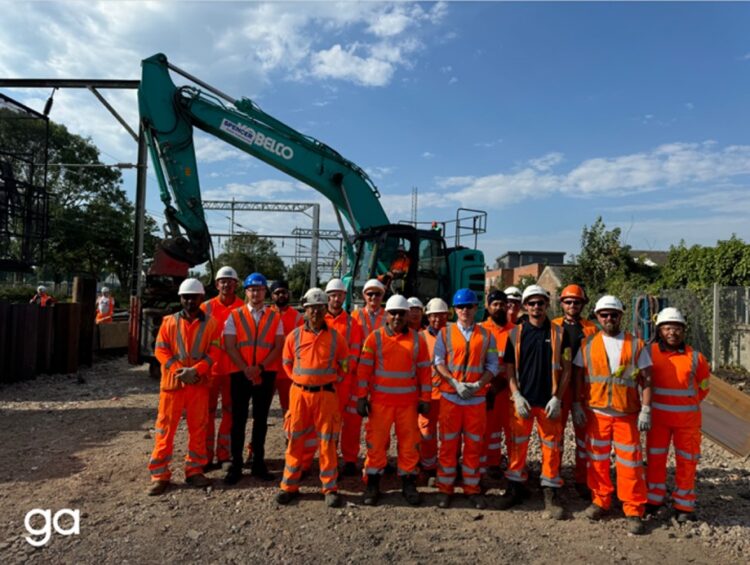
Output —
(82, 442)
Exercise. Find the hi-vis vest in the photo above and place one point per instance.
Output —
(347, 326)
(465, 359)
(315, 357)
(255, 342)
(618, 391)
(556, 337)
(434, 375)
(673, 378)
(368, 321)
(173, 338)
(220, 313)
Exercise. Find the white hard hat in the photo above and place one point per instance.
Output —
(227, 273)
(335, 285)
(191, 286)
(397, 302)
(314, 297)
(436, 306)
(533, 290)
(374, 283)
(105, 289)
(513, 293)
(41, 288)
(670, 315)
(415, 302)
(608, 302)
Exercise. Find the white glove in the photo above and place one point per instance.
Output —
(553, 408)
(188, 375)
(644, 419)
(522, 405)
(462, 389)
(579, 414)
(473, 388)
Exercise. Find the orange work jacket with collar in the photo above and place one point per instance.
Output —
(556, 338)
(290, 319)
(679, 381)
(315, 359)
(349, 328)
(501, 334)
(394, 369)
(369, 322)
(430, 340)
(618, 391)
(220, 312)
(465, 359)
(256, 341)
(186, 343)
(105, 309)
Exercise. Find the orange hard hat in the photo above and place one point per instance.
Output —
(574, 291)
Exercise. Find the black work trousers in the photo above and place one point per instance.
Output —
(243, 391)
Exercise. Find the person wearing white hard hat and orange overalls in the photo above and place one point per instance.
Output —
(611, 367)
(219, 308)
(371, 316)
(187, 346)
(575, 328)
(680, 377)
(513, 295)
(437, 318)
(105, 307)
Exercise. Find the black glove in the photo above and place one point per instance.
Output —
(490, 399)
(423, 408)
(363, 407)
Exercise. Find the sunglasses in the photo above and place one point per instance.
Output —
(464, 307)
(371, 294)
(536, 303)
(573, 302)
(612, 315)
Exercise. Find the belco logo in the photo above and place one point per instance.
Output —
(249, 135)
(49, 522)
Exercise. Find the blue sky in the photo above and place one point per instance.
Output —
(544, 114)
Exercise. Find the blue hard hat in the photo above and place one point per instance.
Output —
(465, 296)
(255, 279)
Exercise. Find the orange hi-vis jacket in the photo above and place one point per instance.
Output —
(617, 391)
(430, 341)
(349, 328)
(465, 360)
(105, 309)
(290, 319)
(394, 369)
(556, 338)
(182, 343)
(220, 313)
(256, 341)
(315, 359)
(588, 327)
(680, 382)
(369, 322)
(501, 334)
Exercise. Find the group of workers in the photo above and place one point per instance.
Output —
(455, 392)
(105, 303)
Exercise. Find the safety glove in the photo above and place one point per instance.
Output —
(553, 408)
(472, 388)
(644, 419)
(423, 408)
(522, 405)
(579, 414)
(363, 407)
(188, 375)
(461, 389)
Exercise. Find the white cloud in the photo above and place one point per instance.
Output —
(212, 150)
(260, 190)
(379, 172)
(546, 162)
(488, 144)
(453, 80)
(428, 155)
(689, 106)
(340, 63)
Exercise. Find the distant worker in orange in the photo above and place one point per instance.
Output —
(398, 271)
(680, 383)
(393, 388)
(437, 318)
(610, 368)
(105, 307)
(42, 298)
(498, 394)
(575, 328)
(290, 319)
(416, 313)
(465, 358)
(219, 308)
(315, 359)
(347, 326)
(513, 294)
(186, 347)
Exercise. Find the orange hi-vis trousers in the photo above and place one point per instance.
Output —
(458, 422)
(218, 385)
(378, 436)
(194, 400)
(687, 451)
(428, 426)
(316, 412)
(498, 425)
(283, 384)
(351, 435)
(550, 432)
(604, 432)
(581, 455)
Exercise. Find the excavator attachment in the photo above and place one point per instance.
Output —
(726, 417)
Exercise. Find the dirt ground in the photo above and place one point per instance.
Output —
(82, 442)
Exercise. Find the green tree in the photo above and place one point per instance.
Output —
(250, 253)
(298, 277)
(728, 264)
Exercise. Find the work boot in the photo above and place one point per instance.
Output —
(334, 500)
(409, 490)
(513, 496)
(372, 491)
(652, 510)
(211, 466)
(260, 471)
(157, 488)
(390, 468)
(594, 512)
(233, 476)
(198, 481)
(349, 469)
(583, 491)
(285, 497)
(478, 501)
(495, 473)
(683, 517)
(444, 500)
(636, 525)
(552, 503)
